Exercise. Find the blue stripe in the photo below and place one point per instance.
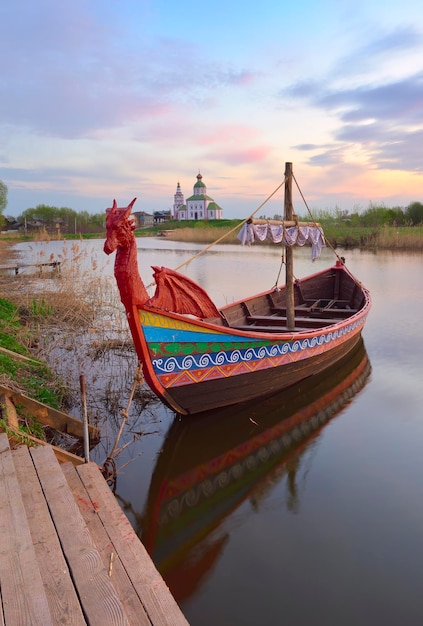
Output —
(154, 334)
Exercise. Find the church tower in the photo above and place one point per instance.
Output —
(199, 206)
(178, 201)
(199, 188)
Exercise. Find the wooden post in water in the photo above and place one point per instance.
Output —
(85, 418)
(289, 253)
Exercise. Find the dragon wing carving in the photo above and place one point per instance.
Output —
(179, 294)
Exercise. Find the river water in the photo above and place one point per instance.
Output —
(306, 509)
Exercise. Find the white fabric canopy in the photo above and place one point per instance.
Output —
(277, 233)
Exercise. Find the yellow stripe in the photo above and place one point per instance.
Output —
(157, 320)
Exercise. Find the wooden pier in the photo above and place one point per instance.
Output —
(18, 267)
(68, 554)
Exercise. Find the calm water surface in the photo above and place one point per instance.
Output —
(307, 509)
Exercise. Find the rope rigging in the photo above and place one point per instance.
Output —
(222, 237)
(248, 219)
(327, 242)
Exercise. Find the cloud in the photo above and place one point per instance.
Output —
(390, 148)
(229, 133)
(239, 156)
(220, 142)
(381, 117)
(69, 75)
(404, 37)
(384, 120)
(400, 101)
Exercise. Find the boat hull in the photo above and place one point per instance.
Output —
(196, 366)
(255, 384)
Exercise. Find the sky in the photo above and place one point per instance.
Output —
(104, 99)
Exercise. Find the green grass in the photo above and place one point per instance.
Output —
(7, 310)
(10, 328)
(33, 377)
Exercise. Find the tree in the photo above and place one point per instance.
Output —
(376, 216)
(415, 213)
(3, 196)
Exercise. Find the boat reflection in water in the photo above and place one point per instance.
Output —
(211, 464)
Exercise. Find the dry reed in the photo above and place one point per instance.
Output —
(386, 237)
(400, 238)
(72, 317)
(202, 235)
(75, 322)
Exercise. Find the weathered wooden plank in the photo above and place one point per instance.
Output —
(111, 559)
(301, 312)
(55, 265)
(63, 456)
(23, 596)
(307, 322)
(161, 607)
(62, 598)
(49, 416)
(270, 329)
(287, 223)
(97, 595)
(16, 355)
(1, 610)
(8, 410)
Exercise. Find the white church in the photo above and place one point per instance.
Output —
(199, 206)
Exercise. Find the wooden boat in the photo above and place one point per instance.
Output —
(209, 466)
(196, 357)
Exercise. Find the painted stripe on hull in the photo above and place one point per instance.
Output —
(163, 335)
(196, 362)
(160, 329)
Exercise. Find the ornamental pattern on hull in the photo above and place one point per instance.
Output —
(176, 371)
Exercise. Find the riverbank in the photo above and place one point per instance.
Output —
(67, 324)
(21, 373)
(343, 236)
(382, 238)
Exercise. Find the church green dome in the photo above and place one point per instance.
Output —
(199, 182)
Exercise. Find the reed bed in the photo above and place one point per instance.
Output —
(400, 238)
(74, 321)
(73, 295)
(385, 237)
(203, 235)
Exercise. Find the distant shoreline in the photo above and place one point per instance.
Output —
(406, 238)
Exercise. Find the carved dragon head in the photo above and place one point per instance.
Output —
(120, 227)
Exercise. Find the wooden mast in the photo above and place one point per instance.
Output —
(289, 253)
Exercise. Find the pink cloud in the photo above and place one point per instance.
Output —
(228, 134)
(241, 156)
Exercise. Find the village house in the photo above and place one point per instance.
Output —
(199, 206)
(162, 216)
(142, 218)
